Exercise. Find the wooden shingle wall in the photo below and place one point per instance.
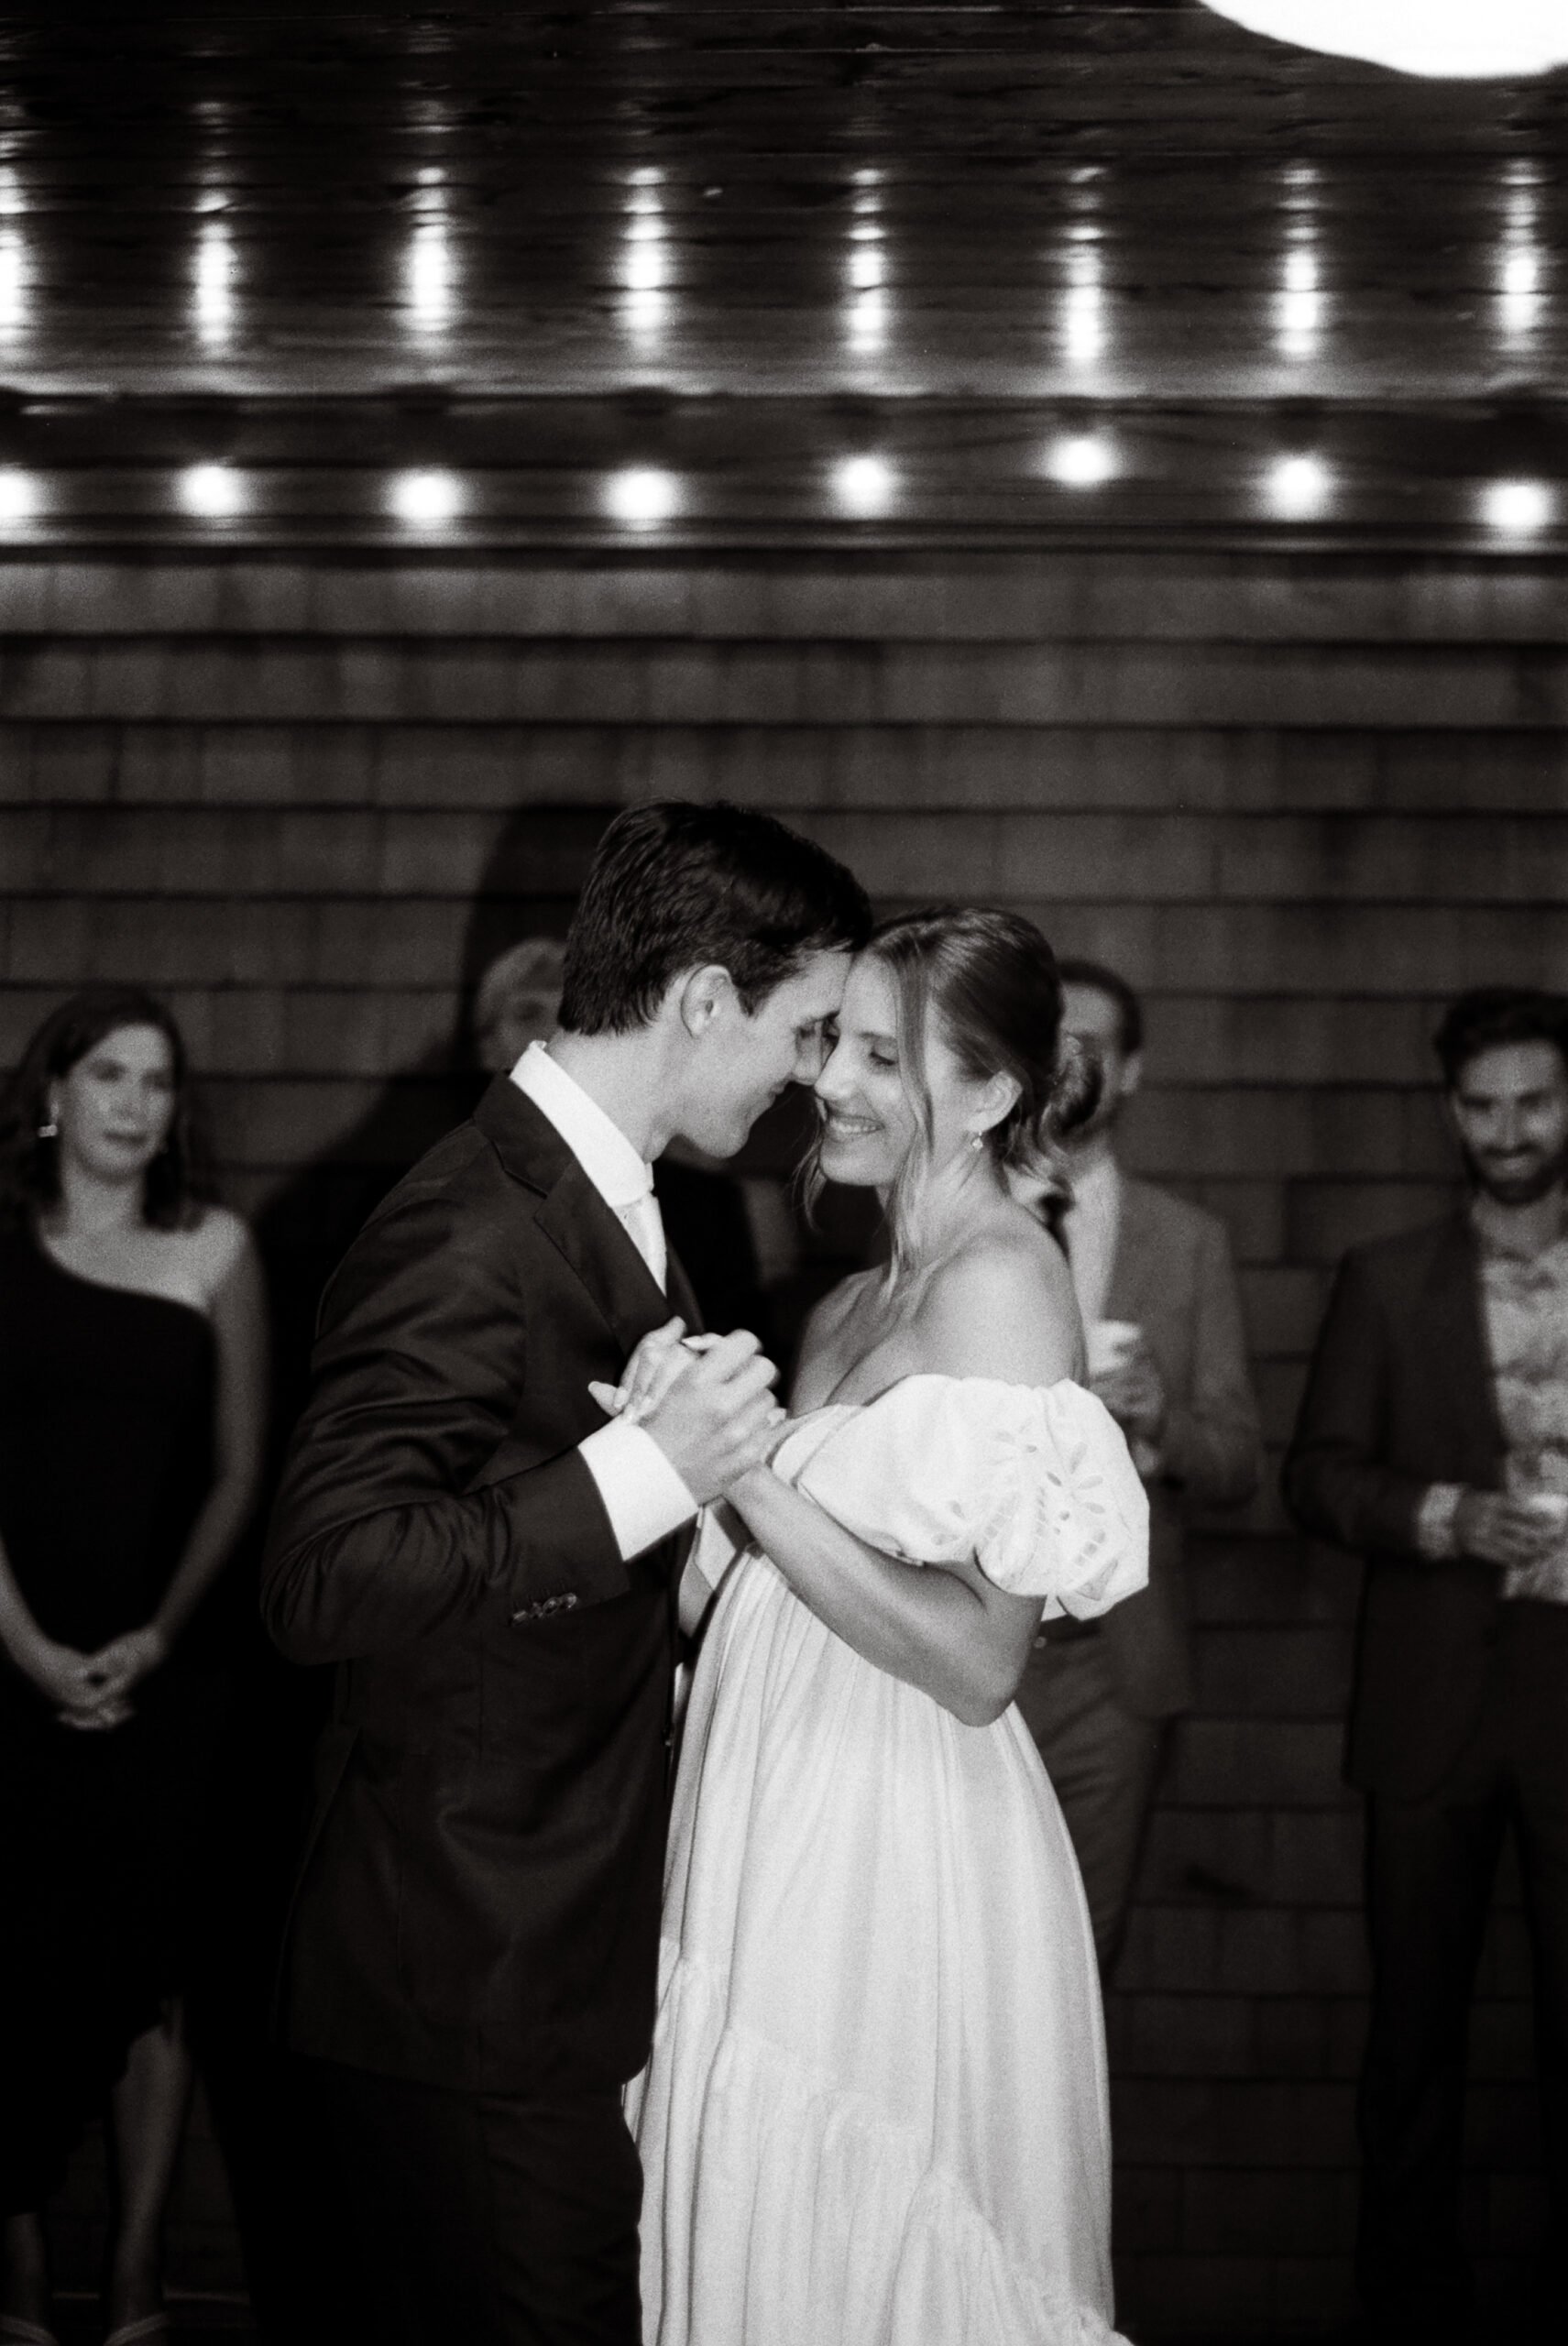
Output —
(1298, 799)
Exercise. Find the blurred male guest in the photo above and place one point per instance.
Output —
(1167, 1357)
(1433, 1439)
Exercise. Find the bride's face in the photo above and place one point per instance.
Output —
(870, 1121)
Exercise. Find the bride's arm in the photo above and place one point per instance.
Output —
(1001, 1313)
(957, 1639)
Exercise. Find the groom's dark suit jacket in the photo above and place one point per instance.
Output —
(1400, 1396)
(479, 1903)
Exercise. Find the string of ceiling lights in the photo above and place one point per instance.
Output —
(1297, 486)
(1293, 484)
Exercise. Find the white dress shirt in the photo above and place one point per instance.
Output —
(1091, 1227)
(643, 1496)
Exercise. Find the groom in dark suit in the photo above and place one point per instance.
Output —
(470, 1961)
(1433, 1441)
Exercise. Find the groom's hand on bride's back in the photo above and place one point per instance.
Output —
(716, 1418)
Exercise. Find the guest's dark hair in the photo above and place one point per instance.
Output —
(178, 1182)
(988, 980)
(1114, 987)
(1488, 1017)
(677, 886)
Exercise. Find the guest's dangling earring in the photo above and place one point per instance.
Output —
(49, 1131)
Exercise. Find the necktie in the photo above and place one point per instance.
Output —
(646, 1225)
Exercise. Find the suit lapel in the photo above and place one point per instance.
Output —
(595, 1241)
(1454, 1344)
(682, 1295)
(600, 1250)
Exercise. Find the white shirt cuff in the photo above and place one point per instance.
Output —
(643, 1496)
(1434, 1521)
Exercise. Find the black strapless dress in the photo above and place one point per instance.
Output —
(106, 1402)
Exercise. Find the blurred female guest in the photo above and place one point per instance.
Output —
(131, 1342)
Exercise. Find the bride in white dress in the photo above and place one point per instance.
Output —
(875, 2112)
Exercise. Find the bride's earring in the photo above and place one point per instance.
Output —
(977, 1142)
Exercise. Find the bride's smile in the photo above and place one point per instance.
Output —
(870, 1118)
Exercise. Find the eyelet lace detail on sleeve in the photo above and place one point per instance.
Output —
(1035, 1483)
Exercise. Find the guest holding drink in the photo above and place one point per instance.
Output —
(1166, 1355)
(131, 1382)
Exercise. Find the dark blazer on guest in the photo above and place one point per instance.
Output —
(1172, 1274)
(479, 1904)
(1399, 1397)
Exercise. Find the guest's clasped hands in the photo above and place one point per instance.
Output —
(90, 1691)
(708, 1401)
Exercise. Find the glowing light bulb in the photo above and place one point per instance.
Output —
(1083, 324)
(18, 494)
(429, 277)
(1446, 38)
(1083, 299)
(645, 268)
(213, 490)
(864, 484)
(642, 495)
(1519, 298)
(1299, 485)
(12, 281)
(643, 312)
(1299, 313)
(1080, 460)
(214, 302)
(1299, 304)
(868, 318)
(645, 256)
(426, 499)
(1517, 509)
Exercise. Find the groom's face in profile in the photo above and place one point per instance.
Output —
(747, 1057)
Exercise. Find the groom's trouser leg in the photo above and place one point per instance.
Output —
(488, 2220)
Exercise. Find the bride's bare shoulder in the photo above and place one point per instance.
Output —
(829, 1314)
(1002, 1306)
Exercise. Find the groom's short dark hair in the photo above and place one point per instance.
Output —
(676, 886)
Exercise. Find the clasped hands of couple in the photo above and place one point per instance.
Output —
(90, 1691)
(708, 1401)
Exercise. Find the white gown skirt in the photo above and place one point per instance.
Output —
(875, 2112)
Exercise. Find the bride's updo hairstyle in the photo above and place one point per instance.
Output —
(987, 982)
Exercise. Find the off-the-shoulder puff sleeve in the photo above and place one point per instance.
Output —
(1035, 1483)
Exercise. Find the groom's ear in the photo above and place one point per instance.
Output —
(702, 997)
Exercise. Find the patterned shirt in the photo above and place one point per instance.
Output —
(1524, 1304)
